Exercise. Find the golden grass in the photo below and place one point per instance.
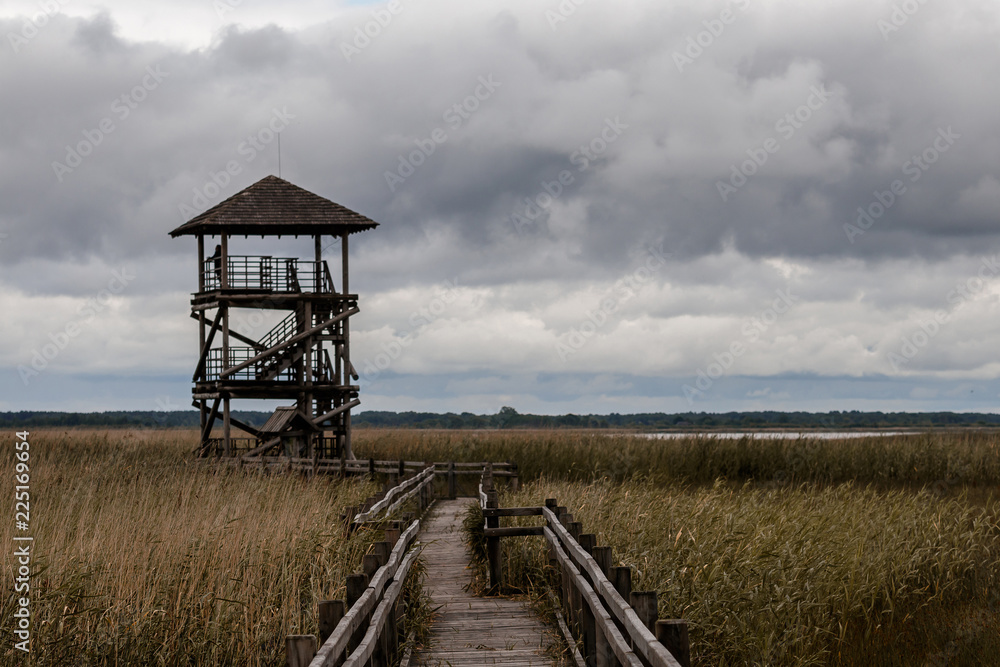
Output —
(866, 551)
(944, 460)
(143, 556)
(796, 576)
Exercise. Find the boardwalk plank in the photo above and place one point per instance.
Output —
(469, 630)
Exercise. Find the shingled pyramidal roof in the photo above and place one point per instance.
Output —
(274, 206)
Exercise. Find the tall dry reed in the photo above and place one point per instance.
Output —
(796, 576)
(946, 459)
(143, 556)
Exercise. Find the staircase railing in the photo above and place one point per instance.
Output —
(281, 332)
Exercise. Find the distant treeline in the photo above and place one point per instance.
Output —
(510, 418)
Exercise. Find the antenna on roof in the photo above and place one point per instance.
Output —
(279, 154)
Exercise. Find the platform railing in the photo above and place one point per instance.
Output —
(263, 273)
(258, 370)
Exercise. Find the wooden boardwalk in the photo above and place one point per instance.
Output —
(470, 630)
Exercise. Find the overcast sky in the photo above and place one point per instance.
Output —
(585, 206)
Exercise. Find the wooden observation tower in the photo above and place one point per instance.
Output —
(306, 357)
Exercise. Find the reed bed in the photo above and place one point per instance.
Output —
(945, 460)
(143, 556)
(866, 551)
(834, 575)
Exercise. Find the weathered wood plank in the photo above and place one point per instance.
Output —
(513, 531)
(513, 511)
(469, 630)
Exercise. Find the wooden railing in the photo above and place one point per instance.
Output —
(370, 631)
(420, 486)
(263, 273)
(612, 624)
(449, 470)
(268, 368)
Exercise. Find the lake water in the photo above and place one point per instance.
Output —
(776, 435)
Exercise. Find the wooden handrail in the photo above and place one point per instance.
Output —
(363, 653)
(387, 503)
(336, 411)
(647, 644)
(615, 627)
(336, 644)
(609, 631)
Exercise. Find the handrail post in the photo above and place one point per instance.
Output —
(604, 558)
(356, 585)
(621, 579)
(299, 650)
(588, 621)
(430, 485)
(392, 533)
(382, 551)
(330, 613)
(551, 503)
(452, 489)
(370, 565)
(493, 545)
(673, 634)
(644, 603)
